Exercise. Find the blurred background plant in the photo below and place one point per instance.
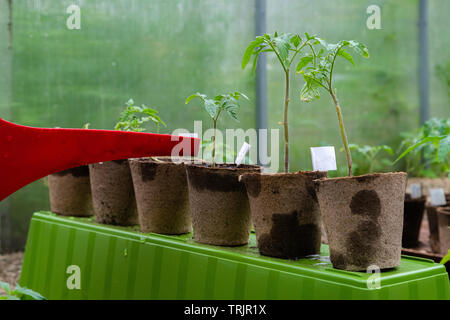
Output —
(426, 152)
(370, 159)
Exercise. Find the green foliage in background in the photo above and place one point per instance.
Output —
(134, 117)
(427, 151)
(228, 103)
(320, 75)
(19, 293)
(370, 159)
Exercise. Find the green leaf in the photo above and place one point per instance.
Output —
(283, 47)
(310, 90)
(28, 293)
(304, 61)
(5, 286)
(359, 48)
(211, 108)
(344, 54)
(444, 148)
(296, 40)
(249, 51)
(434, 140)
(195, 95)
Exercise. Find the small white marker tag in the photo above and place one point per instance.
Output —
(323, 158)
(416, 190)
(437, 197)
(241, 155)
(189, 135)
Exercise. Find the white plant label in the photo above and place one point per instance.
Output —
(241, 155)
(437, 197)
(416, 191)
(188, 135)
(323, 158)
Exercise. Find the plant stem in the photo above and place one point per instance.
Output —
(213, 152)
(343, 133)
(285, 123)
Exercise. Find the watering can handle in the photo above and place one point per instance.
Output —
(28, 154)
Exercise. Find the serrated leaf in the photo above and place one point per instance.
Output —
(283, 47)
(310, 90)
(344, 54)
(249, 51)
(296, 40)
(211, 107)
(304, 61)
(359, 48)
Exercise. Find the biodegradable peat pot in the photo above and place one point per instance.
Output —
(285, 213)
(70, 192)
(433, 225)
(413, 214)
(219, 204)
(112, 193)
(443, 217)
(363, 218)
(162, 197)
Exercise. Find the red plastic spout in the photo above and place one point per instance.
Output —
(28, 154)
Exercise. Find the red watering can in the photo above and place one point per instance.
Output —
(28, 154)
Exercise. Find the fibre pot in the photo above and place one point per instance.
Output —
(70, 192)
(162, 197)
(285, 213)
(363, 218)
(112, 193)
(219, 204)
(413, 214)
(443, 217)
(433, 224)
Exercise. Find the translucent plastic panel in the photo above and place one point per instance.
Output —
(157, 52)
(379, 96)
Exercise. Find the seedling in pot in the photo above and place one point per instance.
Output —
(320, 76)
(221, 103)
(286, 46)
(111, 182)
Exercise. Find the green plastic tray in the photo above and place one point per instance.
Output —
(122, 263)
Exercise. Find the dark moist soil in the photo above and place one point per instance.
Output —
(222, 177)
(413, 215)
(82, 171)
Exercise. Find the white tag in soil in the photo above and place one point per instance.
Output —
(416, 190)
(437, 197)
(189, 135)
(241, 155)
(323, 158)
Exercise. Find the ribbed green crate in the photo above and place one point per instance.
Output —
(122, 263)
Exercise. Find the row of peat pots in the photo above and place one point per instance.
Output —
(362, 216)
